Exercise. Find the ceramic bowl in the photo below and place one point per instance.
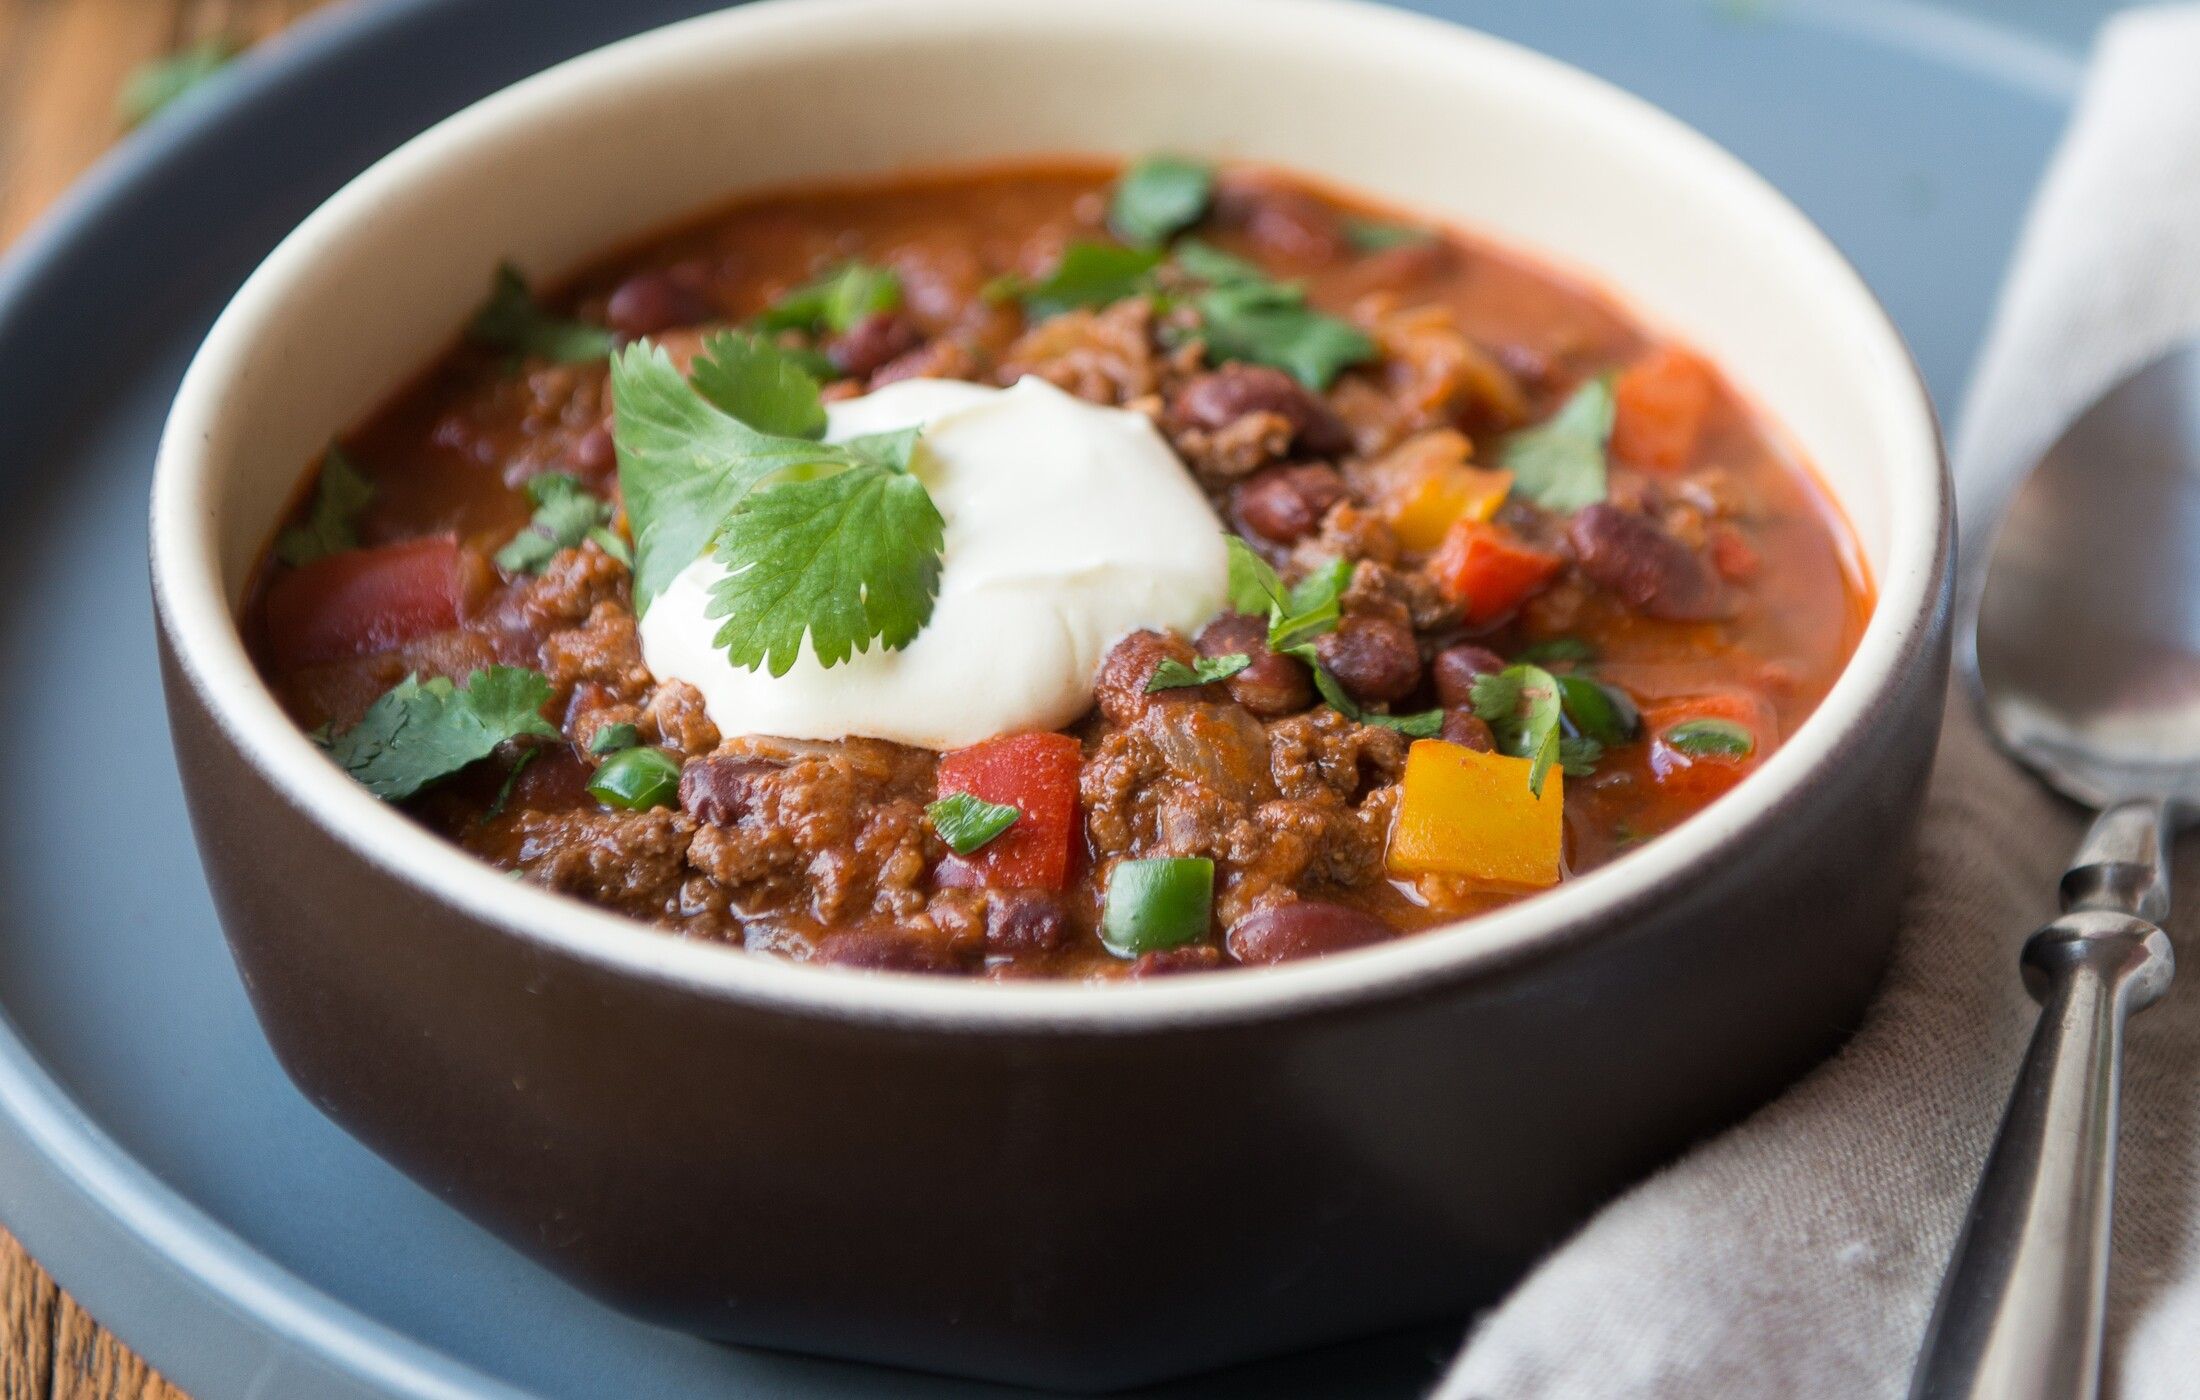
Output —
(1054, 1184)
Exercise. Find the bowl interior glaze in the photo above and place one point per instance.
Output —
(1423, 114)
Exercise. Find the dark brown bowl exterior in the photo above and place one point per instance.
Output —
(1079, 1209)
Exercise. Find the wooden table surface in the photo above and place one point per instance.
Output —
(61, 64)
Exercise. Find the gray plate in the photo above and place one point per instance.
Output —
(151, 1152)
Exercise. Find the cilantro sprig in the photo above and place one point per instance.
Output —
(566, 512)
(966, 821)
(1561, 463)
(331, 525)
(838, 542)
(423, 730)
(1551, 720)
(512, 320)
(1711, 738)
(1159, 197)
(1085, 276)
(1299, 614)
(154, 85)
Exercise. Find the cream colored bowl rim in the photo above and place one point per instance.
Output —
(191, 599)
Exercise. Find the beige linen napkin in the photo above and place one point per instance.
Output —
(1797, 1255)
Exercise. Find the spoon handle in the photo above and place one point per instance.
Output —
(2019, 1313)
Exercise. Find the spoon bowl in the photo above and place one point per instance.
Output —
(2086, 653)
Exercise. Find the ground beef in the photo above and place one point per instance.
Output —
(1322, 752)
(833, 831)
(606, 649)
(631, 861)
(1104, 357)
(677, 719)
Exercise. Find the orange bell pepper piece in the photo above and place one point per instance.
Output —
(1659, 406)
(1489, 572)
(1467, 813)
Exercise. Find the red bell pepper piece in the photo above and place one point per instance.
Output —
(1489, 572)
(1704, 744)
(1037, 775)
(1659, 404)
(364, 600)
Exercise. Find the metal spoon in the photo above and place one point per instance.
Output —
(2083, 651)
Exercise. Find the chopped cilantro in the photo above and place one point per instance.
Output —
(1599, 712)
(1245, 315)
(614, 737)
(419, 731)
(760, 384)
(1522, 708)
(966, 821)
(511, 780)
(1711, 738)
(1560, 463)
(1173, 674)
(1302, 612)
(512, 320)
(1379, 235)
(152, 86)
(836, 301)
(1089, 274)
(332, 525)
(1158, 198)
(566, 513)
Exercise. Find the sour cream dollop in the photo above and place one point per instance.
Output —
(1069, 526)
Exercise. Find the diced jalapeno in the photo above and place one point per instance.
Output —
(637, 778)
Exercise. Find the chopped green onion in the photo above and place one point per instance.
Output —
(966, 821)
(637, 778)
(1711, 738)
(1160, 903)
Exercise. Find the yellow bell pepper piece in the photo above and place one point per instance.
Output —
(1428, 487)
(1470, 813)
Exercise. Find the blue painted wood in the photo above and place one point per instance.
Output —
(151, 1153)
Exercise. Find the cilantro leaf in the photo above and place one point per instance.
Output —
(1557, 649)
(1578, 755)
(332, 525)
(614, 737)
(511, 320)
(966, 821)
(566, 513)
(752, 379)
(685, 463)
(419, 731)
(1311, 607)
(1173, 674)
(1254, 587)
(1090, 274)
(1522, 708)
(1598, 711)
(1377, 235)
(1711, 738)
(836, 301)
(1245, 315)
(1159, 197)
(846, 558)
(1560, 463)
(152, 86)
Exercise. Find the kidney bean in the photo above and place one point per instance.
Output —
(1286, 504)
(1120, 685)
(1309, 928)
(1024, 922)
(1468, 730)
(1374, 658)
(1272, 686)
(1633, 557)
(871, 342)
(1457, 666)
(720, 790)
(883, 950)
(593, 453)
(656, 300)
(1285, 222)
(1220, 397)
